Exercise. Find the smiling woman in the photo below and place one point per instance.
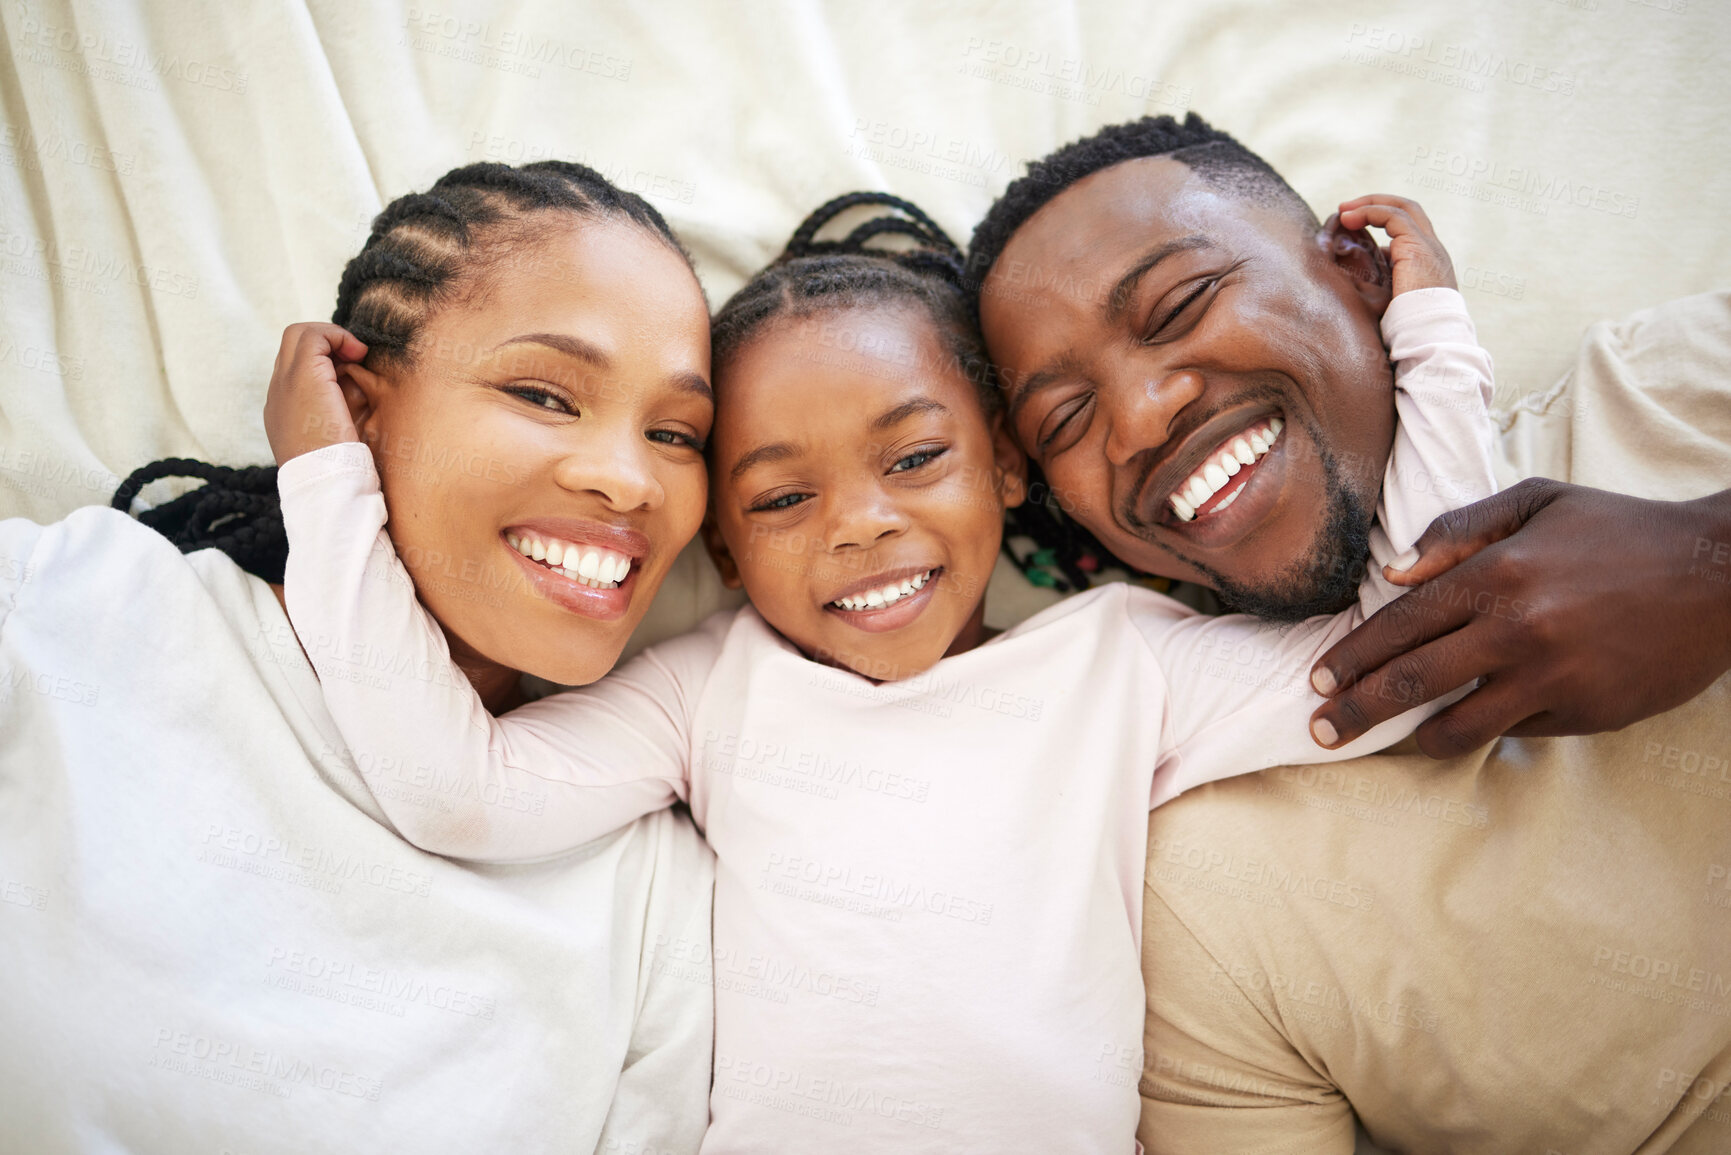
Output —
(528, 363)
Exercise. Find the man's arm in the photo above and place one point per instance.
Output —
(1589, 611)
(1216, 1074)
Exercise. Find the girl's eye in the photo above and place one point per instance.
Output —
(541, 398)
(780, 501)
(916, 459)
(1171, 326)
(675, 437)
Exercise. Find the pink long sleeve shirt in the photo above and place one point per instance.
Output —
(928, 892)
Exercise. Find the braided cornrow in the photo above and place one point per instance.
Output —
(424, 251)
(813, 276)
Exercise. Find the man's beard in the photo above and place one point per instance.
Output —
(1324, 582)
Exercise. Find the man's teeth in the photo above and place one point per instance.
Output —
(1221, 467)
(888, 595)
(584, 564)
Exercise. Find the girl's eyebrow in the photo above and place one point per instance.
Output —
(906, 410)
(762, 455)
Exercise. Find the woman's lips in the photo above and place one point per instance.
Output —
(600, 603)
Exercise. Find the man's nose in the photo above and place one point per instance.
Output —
(1139, 411)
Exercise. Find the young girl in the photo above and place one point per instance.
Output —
(930, 839)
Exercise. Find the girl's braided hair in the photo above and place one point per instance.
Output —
(426, 251)
(813, 276)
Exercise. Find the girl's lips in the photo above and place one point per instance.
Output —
(893, 616)
(600, 604)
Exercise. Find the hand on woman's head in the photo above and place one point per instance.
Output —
(537, 415)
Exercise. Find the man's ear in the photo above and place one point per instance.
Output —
(1011, 464)
(363, 389)
(1356, 254)
(718, 551)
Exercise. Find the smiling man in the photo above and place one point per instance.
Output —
(1476, 955)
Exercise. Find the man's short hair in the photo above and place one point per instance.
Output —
(1213, 155)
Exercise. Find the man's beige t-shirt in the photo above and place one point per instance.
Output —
(1526, 950)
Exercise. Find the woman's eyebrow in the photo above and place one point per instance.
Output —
(563, 343)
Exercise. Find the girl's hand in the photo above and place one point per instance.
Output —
(305, 408)
(1419, 259)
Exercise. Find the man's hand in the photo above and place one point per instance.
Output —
(1576, 609)
(305, 408)
(1419, 260)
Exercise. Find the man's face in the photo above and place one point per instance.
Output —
(1154, 331)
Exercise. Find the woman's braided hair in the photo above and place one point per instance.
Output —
(813, 276)
(425, 251)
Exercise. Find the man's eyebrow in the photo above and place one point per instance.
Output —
(762, 455)
(686, 382)
(1021, 391)
(906, 410)
(1119, 298)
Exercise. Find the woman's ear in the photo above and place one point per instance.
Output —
(363, 389)
(1010, 463)
(1356, 254)
(718, 551)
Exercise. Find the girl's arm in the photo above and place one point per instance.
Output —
(1240, 695)
(455, 780)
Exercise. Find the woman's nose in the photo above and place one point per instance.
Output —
(1139, 411)
(617, 467)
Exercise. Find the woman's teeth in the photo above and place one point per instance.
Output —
(1245, 449)
(888, 595)
(585, 565)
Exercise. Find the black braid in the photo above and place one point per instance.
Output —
(236, 511)
(813, 276)
(424, 249)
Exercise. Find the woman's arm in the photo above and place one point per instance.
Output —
(1579, 610)
(454, 780)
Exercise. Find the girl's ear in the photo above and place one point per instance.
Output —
(1011, 464)
(718, 551)
(1356, 255)
(362, 390)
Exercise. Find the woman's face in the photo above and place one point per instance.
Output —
(545, 435)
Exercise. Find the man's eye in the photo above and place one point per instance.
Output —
(1063, 426)
(780, 501)
(916, 459)
(1178, 321)
(541, 398)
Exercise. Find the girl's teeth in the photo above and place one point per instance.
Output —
(555, 554)
(590, 564)
(538, 550)
(888, 595)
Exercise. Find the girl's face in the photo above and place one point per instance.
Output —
(859, 489)
(559, 413)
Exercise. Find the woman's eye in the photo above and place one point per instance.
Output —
(916, 459)
(675, 437)
(540, 398)
(1172, 324)
(781, 501)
